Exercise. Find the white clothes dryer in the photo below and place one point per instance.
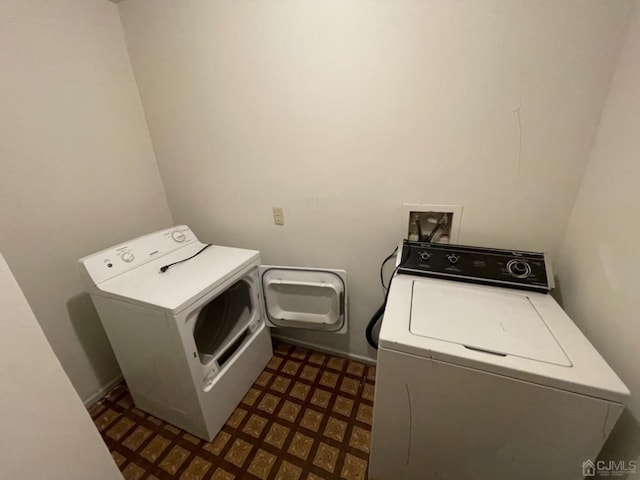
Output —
(188, 321)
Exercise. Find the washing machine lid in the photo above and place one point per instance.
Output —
(182, 284)
(517, 334)
(496, 322)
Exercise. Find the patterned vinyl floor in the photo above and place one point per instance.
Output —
(308, 416)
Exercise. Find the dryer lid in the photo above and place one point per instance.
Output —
(494, 322)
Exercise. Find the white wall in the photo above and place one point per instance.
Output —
(339, 111)
(46, 431)
(77, 169)
(600, 256)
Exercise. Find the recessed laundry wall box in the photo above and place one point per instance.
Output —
(188, 321)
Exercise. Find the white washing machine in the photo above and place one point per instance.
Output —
(188, 321)
(479, 381)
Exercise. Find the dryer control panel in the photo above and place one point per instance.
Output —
(122, 258)
(488, 266)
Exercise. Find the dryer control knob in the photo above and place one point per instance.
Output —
(128, 257)
(425, 256)
(178, 236)
(453, 259)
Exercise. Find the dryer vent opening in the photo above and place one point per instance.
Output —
(221, 320)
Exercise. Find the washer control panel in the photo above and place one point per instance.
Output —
(489, 266)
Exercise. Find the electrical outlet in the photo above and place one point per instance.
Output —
(435, 223)
(278, 216)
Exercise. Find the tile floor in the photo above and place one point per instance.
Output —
(308, 417)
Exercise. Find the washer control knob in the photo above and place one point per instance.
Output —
(128, 257)
(453, 259)
(425, 256)
(178, 236)
(518, 268)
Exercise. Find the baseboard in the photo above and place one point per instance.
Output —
(103, 391)
(323, 349)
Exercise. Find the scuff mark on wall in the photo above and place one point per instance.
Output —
(519, 160)
(608, 262)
